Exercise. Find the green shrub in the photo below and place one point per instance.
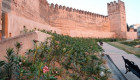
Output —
(67, 57)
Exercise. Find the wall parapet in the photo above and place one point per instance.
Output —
(69, 9)
(115, 7)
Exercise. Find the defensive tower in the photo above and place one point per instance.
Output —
(117, 17)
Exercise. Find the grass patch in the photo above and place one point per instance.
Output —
(131, 43)
(126, 48)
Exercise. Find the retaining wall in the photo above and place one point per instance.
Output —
(131, 35)
(26, 39)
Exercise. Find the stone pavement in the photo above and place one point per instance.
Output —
(116, 56)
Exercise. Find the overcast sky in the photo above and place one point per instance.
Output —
(100, 6)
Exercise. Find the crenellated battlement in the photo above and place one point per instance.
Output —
(56, 6)
(116, 7)
(80, 12)
(112, 3)
(51, 6)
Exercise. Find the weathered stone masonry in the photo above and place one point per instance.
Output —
(64, 20)
(0, 19)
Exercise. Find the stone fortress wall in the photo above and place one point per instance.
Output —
(0, 18)
(39, 14)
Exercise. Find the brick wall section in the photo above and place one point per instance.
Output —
(0, 35)
(67, 19)
(56, 16)
(17, 23)
(9, 43)
(0, 19)
(26, 39)
(91, 34)
(132, 35)
(71, 19)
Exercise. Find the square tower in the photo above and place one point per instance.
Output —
(117, 17)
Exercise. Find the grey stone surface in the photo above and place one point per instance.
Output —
(116, 73)
(116, 56)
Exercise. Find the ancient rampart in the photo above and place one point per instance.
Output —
(62, 19)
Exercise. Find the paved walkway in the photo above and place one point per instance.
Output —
(116, 56)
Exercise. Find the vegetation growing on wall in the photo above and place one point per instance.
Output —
(59, 57)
